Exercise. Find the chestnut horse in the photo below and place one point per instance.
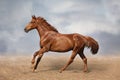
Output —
(52, 40)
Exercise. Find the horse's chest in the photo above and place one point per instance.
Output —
(45, 41)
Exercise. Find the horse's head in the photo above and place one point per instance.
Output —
(39, 21)
(33, 24)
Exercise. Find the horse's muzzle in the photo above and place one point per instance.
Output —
(26, 30)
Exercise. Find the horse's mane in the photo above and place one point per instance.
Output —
(47, 25)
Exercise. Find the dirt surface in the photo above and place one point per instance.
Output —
(18, 68)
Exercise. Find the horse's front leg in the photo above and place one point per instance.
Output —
(34, 56)
(40, 54)
(33, 59)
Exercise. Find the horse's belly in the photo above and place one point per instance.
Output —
(61, 48)
(61, 45)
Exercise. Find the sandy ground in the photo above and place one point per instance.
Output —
(18, 68)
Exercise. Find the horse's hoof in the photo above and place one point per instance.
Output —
(34, 70)
(60, 71)
(85, 71)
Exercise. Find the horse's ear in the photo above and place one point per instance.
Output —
(33, 17)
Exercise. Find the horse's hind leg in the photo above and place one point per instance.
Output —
(84, 60)
(74, 53)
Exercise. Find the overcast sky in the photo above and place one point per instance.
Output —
(99, 19)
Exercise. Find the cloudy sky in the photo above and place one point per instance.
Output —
(99, 19)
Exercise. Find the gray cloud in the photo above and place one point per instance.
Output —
(109, 43)
(88, 14)
(68, 16)
(14, 15)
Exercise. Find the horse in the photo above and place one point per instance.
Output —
(52, 40)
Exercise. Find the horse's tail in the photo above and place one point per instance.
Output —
(93, 44)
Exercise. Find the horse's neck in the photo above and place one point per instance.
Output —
(41, 30)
